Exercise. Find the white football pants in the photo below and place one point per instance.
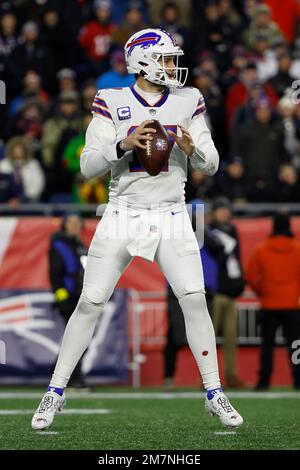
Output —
(164, 235)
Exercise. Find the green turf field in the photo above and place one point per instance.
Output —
(118, 420)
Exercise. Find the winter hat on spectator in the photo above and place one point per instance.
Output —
(250, 65)
(263, 8)
(263, 102)
(19, 141)
(30, 26)
(221, 202)
(102, 4)
(66, 73)
(235, 159)
(206, 55)
(134, 5)
(199, 72)
(239, 51)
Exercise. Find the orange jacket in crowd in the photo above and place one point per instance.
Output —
(273, 272)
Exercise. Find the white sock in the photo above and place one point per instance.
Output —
(201, 338)
(77, 337)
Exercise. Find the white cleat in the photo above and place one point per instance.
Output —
(44, 415)
(220, 406)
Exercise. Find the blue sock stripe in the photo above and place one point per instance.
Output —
(57, 390)
(211, 393)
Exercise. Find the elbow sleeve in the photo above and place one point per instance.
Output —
(207, 162)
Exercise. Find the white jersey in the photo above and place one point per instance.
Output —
(117, 112)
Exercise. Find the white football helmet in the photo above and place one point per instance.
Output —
(146, 53)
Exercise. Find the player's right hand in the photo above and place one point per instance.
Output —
(136, 138)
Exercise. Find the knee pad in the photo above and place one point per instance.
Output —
(93, 295)
(194, 301)
(189, 287)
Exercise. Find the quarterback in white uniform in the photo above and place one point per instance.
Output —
(146, 215)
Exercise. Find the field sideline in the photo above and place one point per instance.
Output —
(146, 420)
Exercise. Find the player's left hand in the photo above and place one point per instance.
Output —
(185, 141)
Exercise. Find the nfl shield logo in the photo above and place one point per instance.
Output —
(161, 144)
(152, 112)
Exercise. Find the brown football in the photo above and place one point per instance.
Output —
(156, 156)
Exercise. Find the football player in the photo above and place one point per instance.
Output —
(142, 208)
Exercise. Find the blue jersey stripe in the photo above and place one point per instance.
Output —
(102, 112)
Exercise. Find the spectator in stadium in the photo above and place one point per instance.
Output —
(246, 111)
(84, 191)
(8, 33)
(53, 33)
(8, 43)
(26, 170)
(170, 21)
(67, 117)
(206, 60)
(229, 286)
(260, 145)
(262, 24)
(95, 37)
(66, 269)
(188, 12)
(230, 181)
(287, 185)
(273, 272)
(28, 122)
(231, 17)
(264, 57)
(133, 22)
(203, 80)
(74, 147)
(66, 80)
(239, 93)
(214, 34)
(87, 95)
(117, 75)
(121, 6)
(31, 54)
(198, 186)
(283, 79)
(239, 61)
(31, 89)
(249, 10)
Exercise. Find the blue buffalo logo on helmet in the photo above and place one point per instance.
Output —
(144, 41)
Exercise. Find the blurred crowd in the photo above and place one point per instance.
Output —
(243, 55)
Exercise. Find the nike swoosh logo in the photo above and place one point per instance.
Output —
(174, 213)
